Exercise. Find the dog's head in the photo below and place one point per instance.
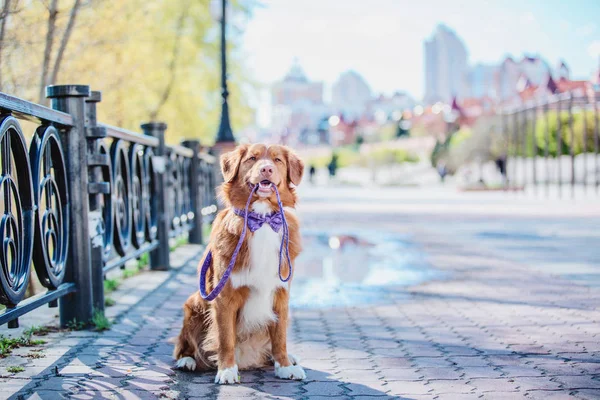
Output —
(259, 164)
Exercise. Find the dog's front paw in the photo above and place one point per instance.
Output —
(228, 375)
(186, 363)
(295, 360)
(291, 372)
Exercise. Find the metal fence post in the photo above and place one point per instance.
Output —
(159, 257)
(195, 234)
(76, 306)
(96, 188)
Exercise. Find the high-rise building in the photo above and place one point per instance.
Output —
(445, 66)
(482, 81)
(350, 95)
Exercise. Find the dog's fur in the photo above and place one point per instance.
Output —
(246, 325)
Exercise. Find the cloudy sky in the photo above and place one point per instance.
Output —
(383, 39)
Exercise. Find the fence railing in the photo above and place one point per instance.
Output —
(554, 144)
(82, 198)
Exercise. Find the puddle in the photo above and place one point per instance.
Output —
(340, 268)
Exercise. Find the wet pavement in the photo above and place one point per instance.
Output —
(399, 294)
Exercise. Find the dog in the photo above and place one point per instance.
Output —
(245, 326)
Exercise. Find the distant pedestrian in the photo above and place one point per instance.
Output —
(333, 164)
(501, 165)
(442, 170)
(312, 171)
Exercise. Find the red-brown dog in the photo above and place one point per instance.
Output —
(246, 325)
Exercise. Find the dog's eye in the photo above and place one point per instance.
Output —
(278, 160)
(252, 158)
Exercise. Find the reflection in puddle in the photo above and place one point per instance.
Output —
(341, 269)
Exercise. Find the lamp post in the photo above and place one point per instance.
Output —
(224, 140)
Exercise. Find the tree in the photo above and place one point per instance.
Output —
(152, 59)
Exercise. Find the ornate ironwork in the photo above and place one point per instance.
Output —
(16, 221)
(52, 213)
(150, 206)
(106, 204)
(138, 195)
(121, 185)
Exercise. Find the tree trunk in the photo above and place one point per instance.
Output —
(64, 42)
(3, 19)
(172, 65)
(52, 13)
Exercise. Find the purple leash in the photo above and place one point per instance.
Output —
(208, 260)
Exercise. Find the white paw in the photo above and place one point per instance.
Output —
(291, 372)
(186, 363)
(295, 360)
(228, 375)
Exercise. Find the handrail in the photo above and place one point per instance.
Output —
(130, 136)
(209, 158)
(181, 151)
(26, 110)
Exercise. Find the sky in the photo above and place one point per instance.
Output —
(383, 39)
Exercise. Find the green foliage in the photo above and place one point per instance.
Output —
(143, 261)
(75, 325)
(110, 285)
(347, 156)
(179, 241)
(460, 136)
(383, 155)
(128, 273)
(35, 353)
(206, 231)
(7, 344)
(14, 369)
(152, 59)
(109, 302)
(99, 320)
(547, 131)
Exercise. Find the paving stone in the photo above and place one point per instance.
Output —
(399, 388)
(323, 389)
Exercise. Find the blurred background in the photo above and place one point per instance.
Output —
(392, 92)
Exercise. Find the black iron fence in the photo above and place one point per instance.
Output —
(83, 198)
(553, 146)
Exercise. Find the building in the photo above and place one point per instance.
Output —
(384, 108)
(514, 76)
(350, 95)
(481, 81)
(297, 106)
(446, 66)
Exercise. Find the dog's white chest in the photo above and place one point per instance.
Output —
(261, 276)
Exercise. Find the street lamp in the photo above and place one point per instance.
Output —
(225, 139)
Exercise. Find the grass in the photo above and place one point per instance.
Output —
(143, 261)
(110, 285)
(180, 241)
(128, 273)
(8, 344)
(100, 322)
(109, 302)
(75, 325)
(39, 330)
(206, 230)
(35, 354)
(15, 369)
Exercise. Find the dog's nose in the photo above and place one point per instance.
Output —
(266, 171)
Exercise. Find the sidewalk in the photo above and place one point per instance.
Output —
(493, 328)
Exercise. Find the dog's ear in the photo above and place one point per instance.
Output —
(230, 162)
(295, 167)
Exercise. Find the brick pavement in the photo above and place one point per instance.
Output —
(492, 329)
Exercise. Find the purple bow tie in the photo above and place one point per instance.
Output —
(256, 220)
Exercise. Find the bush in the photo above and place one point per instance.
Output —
(546, 130)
